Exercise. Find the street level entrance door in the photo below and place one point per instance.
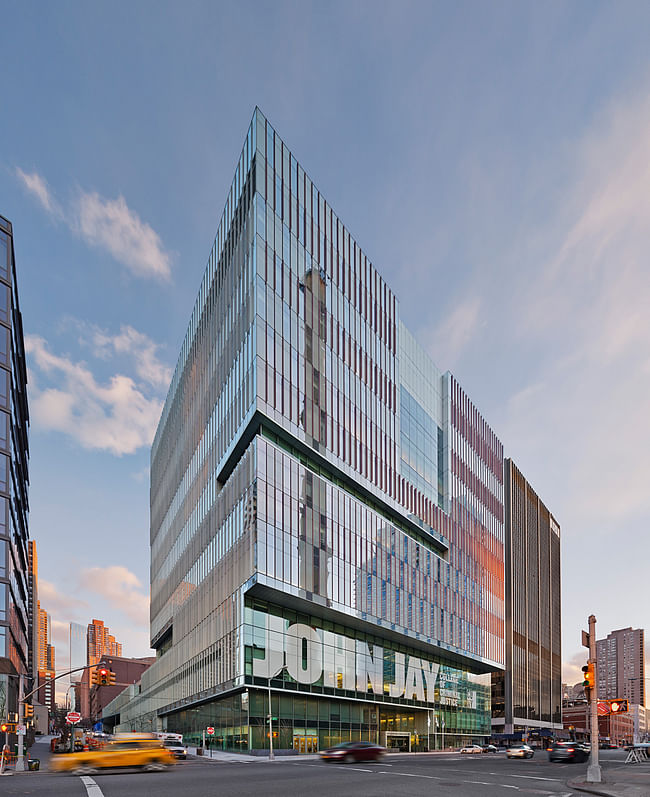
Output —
(305, 744)
(398, 740)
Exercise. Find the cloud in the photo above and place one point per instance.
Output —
(37, 186)
(583, 314)
(455, 331)
(107, 224)
(140, 347)
(116, 416)
(56, 602)
(112, 225)
(572, 669)
(121, 590)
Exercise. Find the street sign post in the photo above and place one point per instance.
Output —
(210, 731)
(73, 717)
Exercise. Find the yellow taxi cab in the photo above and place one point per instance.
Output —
(140, 750)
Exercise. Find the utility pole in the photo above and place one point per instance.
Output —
(593, 770)
(20, 759)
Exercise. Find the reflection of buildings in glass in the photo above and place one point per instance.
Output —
(377, 537)
(314, 554)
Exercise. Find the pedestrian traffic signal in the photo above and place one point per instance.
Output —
(590, 676)
(29, 711)
(8, 727)
(618, 706)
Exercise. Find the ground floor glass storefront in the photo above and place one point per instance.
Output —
(306, 724)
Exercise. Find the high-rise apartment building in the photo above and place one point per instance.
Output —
(326, 506)
(100, 642)
(620, 663)
(15, 641)
(43, 637)
(32, 632)
(527, 696)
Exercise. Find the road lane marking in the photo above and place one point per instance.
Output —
(535, 777)
(91, 787)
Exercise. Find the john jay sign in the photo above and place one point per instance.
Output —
(310, 654)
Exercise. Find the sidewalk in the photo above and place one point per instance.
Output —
(623, 780)
(222, 756)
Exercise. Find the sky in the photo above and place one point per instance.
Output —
(493, 161)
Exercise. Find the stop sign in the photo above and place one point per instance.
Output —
(73, 717)
(210, 730)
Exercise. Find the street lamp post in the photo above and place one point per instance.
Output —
(271, 756)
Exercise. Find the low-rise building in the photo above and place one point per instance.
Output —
(127, 672)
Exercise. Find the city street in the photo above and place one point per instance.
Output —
(408, 775)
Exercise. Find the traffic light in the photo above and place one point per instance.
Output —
(111, 677)
(590, 676)
(618, 706)
(29, 711)
(100, 676)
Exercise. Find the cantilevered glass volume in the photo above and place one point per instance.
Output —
(326, 506)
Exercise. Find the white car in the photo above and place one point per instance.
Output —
(471, 748)
(520, 751)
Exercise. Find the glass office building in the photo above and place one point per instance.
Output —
(16, 611)
(527, 696)
(326, 506)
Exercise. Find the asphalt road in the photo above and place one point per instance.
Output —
(488, 775)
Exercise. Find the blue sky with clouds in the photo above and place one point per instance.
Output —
(493, 160)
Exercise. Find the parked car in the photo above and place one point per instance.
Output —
(520, 751)
(349, 752)
(128, 750)
(490, 748)
(568, 751)
(471, 748)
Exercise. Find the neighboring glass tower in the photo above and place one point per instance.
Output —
(16, 641)
(326, 506)
(527, 698)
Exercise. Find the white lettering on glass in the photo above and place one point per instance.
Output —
(344, 663)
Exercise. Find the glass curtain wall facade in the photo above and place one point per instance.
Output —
(15, 639)
(528, 696)
(326, 506)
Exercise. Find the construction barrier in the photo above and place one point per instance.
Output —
(637, 755)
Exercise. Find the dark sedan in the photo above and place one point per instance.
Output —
(568, 751)
(350, 752)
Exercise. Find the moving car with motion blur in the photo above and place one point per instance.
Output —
(568, 751)
(139, 750)
(520, 751)
(351, 752)
(490, 748)
(471, 748)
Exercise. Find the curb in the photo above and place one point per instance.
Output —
(613, 789)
